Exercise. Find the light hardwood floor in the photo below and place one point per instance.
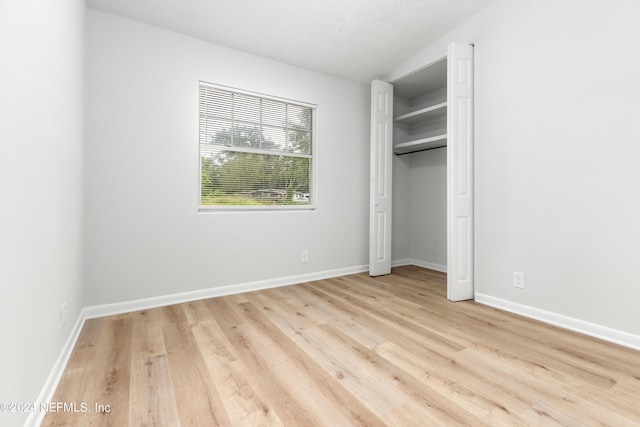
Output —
(352, 350)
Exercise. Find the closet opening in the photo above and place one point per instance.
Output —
(422, 171)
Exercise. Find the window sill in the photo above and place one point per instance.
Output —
(287, 208)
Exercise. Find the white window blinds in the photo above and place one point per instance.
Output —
(256, 152)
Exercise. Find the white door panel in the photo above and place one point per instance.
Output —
(381, 178)
(460, 172)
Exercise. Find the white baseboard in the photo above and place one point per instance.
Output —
(51, 384)
(602, 332)
(163, 300)
(401, 262)
(429, 265)
(419, 263)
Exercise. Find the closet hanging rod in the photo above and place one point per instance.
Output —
(417, 151)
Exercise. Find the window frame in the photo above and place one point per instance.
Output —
(313, 156)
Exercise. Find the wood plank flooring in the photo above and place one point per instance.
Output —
(348, 351)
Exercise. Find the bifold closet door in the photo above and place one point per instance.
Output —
(460, 172)
(381, 178)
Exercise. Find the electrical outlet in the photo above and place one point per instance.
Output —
(304, 257)
(518, 280)
(63, 315)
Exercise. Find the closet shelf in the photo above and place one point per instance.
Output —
(420, 144)
(423, 114)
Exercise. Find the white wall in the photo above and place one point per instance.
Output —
(419, 232)
(428, 206)
(557, 152)
(144, 235)
(41, 90)
(401, 210)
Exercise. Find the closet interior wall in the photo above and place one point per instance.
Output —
(420, 168)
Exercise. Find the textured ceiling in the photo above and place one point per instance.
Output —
(352, 39)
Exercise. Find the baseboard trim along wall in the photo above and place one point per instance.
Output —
(95, 311)
(163, 300)
(419, 263)
(46, 394)
(597, 331)
(429, 265)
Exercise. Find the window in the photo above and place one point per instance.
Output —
(256, 152)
